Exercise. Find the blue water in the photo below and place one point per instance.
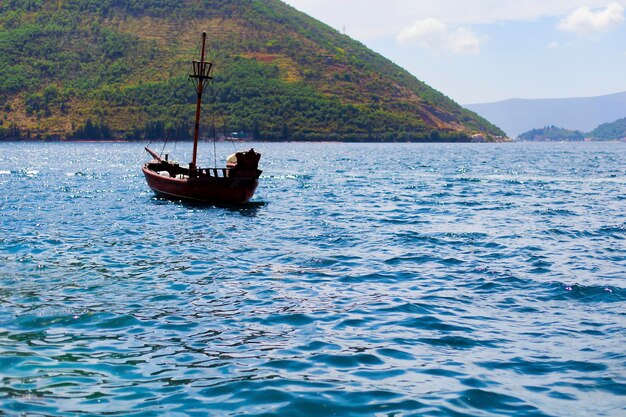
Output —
(364, 280)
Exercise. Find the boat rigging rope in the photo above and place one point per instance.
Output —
(212, 93)
(169, 132)
(214, 114)
(219, 113)
(214, 140)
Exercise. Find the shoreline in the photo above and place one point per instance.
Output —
(252, 141)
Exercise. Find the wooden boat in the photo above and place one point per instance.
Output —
(233, 184)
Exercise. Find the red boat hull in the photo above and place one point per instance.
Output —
(207, 189)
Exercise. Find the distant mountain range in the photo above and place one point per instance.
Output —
(516, 116)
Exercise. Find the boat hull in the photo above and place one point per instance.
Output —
(206, 189)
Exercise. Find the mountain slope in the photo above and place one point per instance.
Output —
(519, 115)
(610, 131)
(117, 69)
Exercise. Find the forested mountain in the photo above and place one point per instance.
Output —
(118, 69)
(610, 131)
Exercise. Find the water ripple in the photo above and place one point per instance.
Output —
(459, 280)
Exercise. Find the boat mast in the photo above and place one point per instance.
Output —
(200, 78)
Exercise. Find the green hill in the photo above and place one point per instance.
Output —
(583, 113)
(551, 134)
(610, 131)
(105, 69)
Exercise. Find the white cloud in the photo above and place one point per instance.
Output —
(428, 33)
(464, 41)
(585, 22)
(367, 19)
(554, 45)
(432, 33)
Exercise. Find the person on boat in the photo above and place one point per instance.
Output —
(231, 161)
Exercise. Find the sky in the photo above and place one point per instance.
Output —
(478, 51)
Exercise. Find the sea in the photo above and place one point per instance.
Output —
(361, 280)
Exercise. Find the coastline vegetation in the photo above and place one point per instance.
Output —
(605, 132)
(551, 134)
